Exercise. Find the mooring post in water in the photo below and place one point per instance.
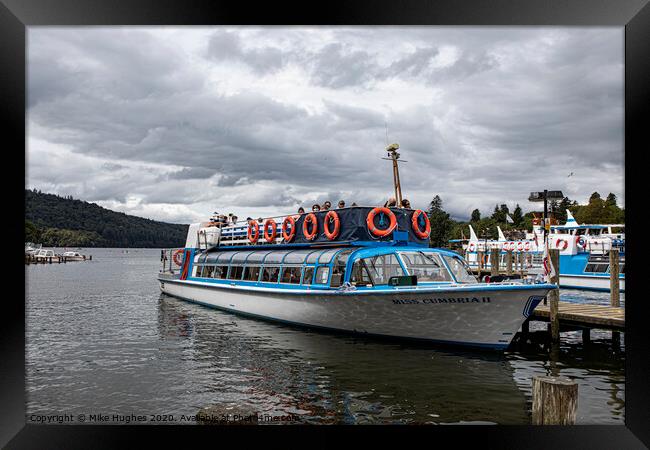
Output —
(509, 262)
(614, 292)
(494, 261)
(554, 296)
(555, 400)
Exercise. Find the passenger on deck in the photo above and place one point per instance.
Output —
(391, 203)
(315, 208)
(406, 204)
(341, 204)
(301, 210)
(233, 220)
(354, 204)
(327, 205)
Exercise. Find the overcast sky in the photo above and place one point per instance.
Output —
(174, 123)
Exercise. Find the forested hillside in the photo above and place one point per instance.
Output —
(58, 221)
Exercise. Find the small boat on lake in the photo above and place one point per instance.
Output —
(73, 256)
(364, 270)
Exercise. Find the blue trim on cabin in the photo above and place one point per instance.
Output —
(339, 330)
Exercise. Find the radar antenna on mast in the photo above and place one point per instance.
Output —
(394, 156)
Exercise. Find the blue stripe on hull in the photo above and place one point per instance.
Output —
(342, 331)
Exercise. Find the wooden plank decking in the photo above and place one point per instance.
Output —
(594, 316)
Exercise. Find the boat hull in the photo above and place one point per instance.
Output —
(470, 316)
(593, 283)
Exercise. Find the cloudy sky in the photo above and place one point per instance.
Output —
(175, 123)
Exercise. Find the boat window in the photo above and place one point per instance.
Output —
(223, 257)
(597, 267)
(221, 272)
(327, 255)
(322, 274)
(622, 268)
(207, 271)
(270, 274)
(296, 256)
(252, 273)
(383, 267)
(460, 269)
(239, 257)
(275, 257)
(360, 275)
(256, 257)
(313, 257)
(338, 268)
(291, 275)
(426, 266)
(309, 275)
(235, 272)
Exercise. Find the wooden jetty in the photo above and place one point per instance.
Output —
(580, 314)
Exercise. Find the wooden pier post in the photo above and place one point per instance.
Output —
(479, 255)
(494, 261)
(509, 256)
(555, 400)
(554, 297)
(614, 292)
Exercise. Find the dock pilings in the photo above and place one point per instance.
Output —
(554, 296)
(555, 400)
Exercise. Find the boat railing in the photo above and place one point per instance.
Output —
(171, 260)
(237, 234)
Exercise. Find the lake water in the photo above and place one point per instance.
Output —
(102, 339)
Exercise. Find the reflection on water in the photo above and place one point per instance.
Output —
(101, 337)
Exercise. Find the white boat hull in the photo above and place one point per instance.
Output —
(470, 316)
(588, 282)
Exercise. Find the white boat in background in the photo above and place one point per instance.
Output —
(584, 252)
(73, 256)
(31, 248)
(44, 254)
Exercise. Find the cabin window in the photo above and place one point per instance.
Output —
(338, 268)
(426, 266)
(296, 256)
(275, 257)
(309, 275)
(217, 272)
(597, 267)
(291, 275)
(360, 275)
(252, 273)
(382, 267)
(327, 256)
(460, 269)
(313, 257)
(235, 272)
(322, 274)
(221, 272)
(207, 271)
(270, 274)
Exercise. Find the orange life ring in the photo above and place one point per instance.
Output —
(565, 244)
(178, 257)
(471, 247)
(310, 218)
(520, 246)
(288, 237)
(527, 246)
(422, 234)
(270, 237)
(331, 216)
(370, 221)
(253, 237)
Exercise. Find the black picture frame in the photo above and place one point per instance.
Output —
(16, 15)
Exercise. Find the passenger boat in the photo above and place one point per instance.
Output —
(363, 270)
(44, 254)
(584, 252)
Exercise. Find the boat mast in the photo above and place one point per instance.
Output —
(394, 156)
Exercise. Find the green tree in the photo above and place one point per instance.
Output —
(517, 216)
(476, 215)
(32, 233)
(441, 224)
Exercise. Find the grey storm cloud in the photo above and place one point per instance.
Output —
(279, 117)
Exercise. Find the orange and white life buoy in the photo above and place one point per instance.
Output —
(527, 246)
(370, 221)
(561, 244)
(270, 237)
(331, 217)
(310, 219)
(422, 234)
(253, 232)
(472, 246)
(178, 257)
(520, 246)
(581, 242)
(289, 222)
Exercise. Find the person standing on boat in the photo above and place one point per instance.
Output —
(327, 205)
(391, 203)
(341, 204)
(406, 204)
(315, 208)
(301, 210)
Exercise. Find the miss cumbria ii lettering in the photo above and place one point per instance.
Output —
(413, 301)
